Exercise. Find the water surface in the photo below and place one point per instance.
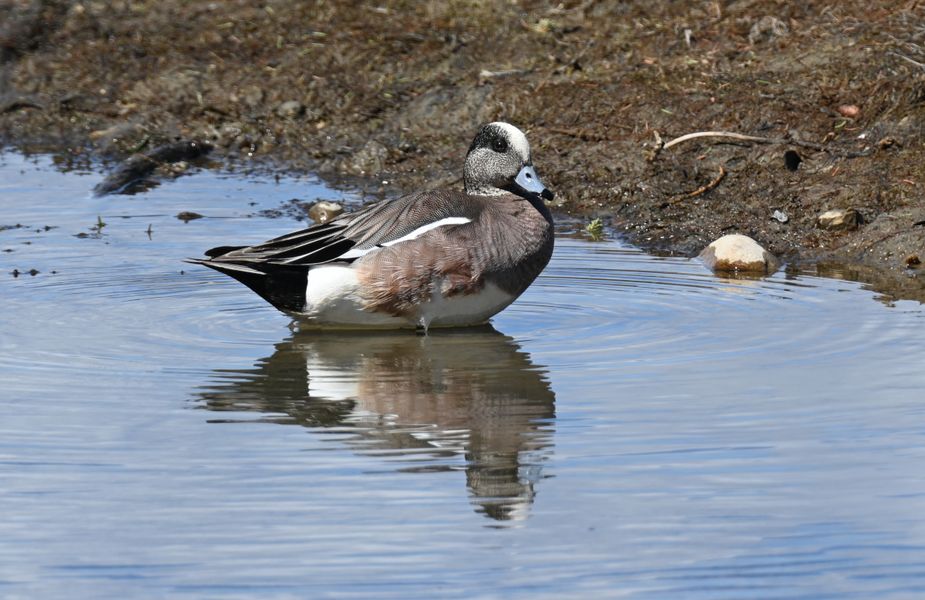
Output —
(631, 427)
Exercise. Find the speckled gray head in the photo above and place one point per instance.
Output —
(499, 161)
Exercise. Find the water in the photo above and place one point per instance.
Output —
(631, 427)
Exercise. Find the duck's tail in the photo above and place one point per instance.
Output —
(282, 286)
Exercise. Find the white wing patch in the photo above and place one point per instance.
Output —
(357, 253)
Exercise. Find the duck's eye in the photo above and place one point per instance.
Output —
(499, 145)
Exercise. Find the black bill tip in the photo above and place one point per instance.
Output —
(547, 195)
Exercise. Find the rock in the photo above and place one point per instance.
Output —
(766, 29)
(228, 133)
(780, 216)
(912, 261)
(122, 136)
(290, 109)
(738, 253)
(187, 215)
(252, 96)
(324, 211)
(369, 160)
(839, 219)
(849, 110)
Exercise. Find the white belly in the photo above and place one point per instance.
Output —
(333, 299)
(459, 311)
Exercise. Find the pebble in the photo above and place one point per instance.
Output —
(839, 219)
(736, 253)
(324, 211)
(780, 216)
(370, 159)
(290, 109)
(767, 28)
(849, 110)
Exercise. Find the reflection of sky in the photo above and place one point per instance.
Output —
(709, 439)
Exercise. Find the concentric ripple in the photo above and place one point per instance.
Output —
(618, 304)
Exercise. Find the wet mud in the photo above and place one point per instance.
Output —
(830, 99)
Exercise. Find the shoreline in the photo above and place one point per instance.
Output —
(391, 96)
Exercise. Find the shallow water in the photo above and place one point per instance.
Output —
(631, 427)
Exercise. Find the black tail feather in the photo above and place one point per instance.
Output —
(280, 285)
(222, 250)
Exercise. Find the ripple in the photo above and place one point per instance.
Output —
(620, 304)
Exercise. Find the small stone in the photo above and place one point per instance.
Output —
(912, 261)
(186, 216)
(766, 29)
(228, 133)
(736, 253)
(849, 110)
(290, 109)
(252, 96)
(839, 219)
(780, 216)
(177, 168)
(324, 211)
(123, 136)
(370, 159)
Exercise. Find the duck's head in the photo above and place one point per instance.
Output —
(499, 161)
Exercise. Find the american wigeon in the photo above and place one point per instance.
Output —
(429, 259)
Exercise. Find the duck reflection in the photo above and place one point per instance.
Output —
(469, 392)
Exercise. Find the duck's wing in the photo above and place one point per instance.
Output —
(276, 268)
(351, 235)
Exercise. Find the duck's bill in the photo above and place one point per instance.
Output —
(528, 181)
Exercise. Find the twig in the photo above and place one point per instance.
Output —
(726, 134)
(757, 140)
(712, 184)
(704, 188)
(907, 59)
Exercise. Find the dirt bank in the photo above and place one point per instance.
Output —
(392, 93)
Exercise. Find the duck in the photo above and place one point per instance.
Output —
(437, 258)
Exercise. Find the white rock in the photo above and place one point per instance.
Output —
(839, 219)
(738, 253)
(324, 211)
(290, 109)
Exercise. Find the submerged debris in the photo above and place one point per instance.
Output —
(136, 168)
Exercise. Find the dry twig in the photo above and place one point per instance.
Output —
(702, 189)
(755, 139)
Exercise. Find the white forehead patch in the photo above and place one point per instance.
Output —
(516, 138)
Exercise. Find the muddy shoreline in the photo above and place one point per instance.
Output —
(388, 97)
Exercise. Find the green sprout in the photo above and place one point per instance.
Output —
(595, 229)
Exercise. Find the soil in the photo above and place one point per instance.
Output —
(388, 95)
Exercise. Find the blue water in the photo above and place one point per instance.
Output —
(632, 427)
